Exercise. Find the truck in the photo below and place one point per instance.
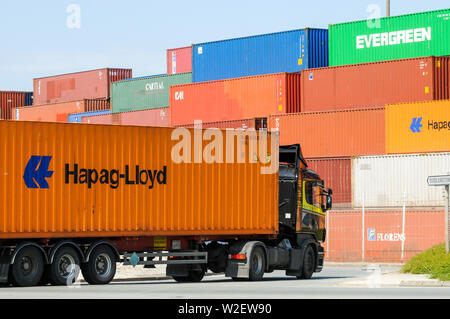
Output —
(81, 198)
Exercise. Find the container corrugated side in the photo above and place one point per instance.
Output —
(188, 199)
(256, 123)
(375, 84)
(389, 38)
(57, 112)
(145, 93)
(11, 99)
(179, 60)
(77, 118)
(397, 180)
(290, 51)
(418, 127)
(93, 84)
(382, 233)
(241, 98)
(333, 134)
(337, 175)
(159, 117)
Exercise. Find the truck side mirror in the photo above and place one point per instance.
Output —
(329, 202)
(330, 191)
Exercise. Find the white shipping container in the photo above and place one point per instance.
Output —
(394, 180)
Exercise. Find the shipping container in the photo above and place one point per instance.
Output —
(176, 202)
(397, 180)
(381, 235)
(153, 117)
(179, 60)
(337, 174)
(390, 38)
(234, 99)
(375, 84)
(146, 92)
(333, 134)
(290, 51)
(12, 99)
(94, 84)
(418, 127)
(57, 112)
(77, 117)
(255, 123)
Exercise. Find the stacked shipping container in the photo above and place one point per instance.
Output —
(10, 99)
(159, 117)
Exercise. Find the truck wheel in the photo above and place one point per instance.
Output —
(101, 267)
(28, 267)
(257, 264)
(65, 267)
(194, 276)
(309, 263)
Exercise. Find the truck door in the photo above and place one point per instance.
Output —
(312, 215)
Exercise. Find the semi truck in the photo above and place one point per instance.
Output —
(80, 198)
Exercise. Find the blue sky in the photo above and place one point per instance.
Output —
(36, 40)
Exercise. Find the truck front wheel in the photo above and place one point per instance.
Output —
(309, 263)
(101, 267)
(28, 267)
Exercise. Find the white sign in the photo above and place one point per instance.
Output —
(442, 180)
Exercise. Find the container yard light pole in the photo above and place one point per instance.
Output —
(388, 8)
(443, 180)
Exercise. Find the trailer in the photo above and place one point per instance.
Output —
(84, 197)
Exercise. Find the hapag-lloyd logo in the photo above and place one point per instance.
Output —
(393, 38)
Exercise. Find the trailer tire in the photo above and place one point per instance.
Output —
(101, 267)
(257, 264)
(28, 267)
(308, 263)
(59, 274)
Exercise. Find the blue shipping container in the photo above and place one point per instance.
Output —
(76, 117)
(290, 51)
(28, 99)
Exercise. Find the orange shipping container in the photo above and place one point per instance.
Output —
(60, 181)
(418, 127)
(233, 99)
(333, 134)
(159, 117)
(58, 112)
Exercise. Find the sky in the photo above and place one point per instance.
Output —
(42, 38)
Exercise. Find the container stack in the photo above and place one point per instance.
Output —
(10, 100)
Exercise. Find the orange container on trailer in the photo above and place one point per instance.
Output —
(58, 112)
(153, 117)
(375, 84)
(333, 134)
(71, 180)
(233, 99)
(418, 127)
(93, 84)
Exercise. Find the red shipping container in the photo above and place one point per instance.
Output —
(335, 133)
(382, 233)
(179, 60)
(57, 112)
(10, 100)
(256, 123)
(337, 174)
(232, 99)
(159, 117)
(93, 84)
(375, 84)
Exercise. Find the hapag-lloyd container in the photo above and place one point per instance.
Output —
(78, 117)
(382, 234)
(399, 37)
(179, 60)
(397, 180)
(375, 84)
(145, 93)
(58, 112)
(337, 174)
(11, 99)
(153, 117)
(94, 84)
(290, 51)
(418, 127)
(333, 134)
(256, 123)
(179, 202)
(233, 99)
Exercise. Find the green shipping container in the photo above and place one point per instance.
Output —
(406, 36)
(145, 93)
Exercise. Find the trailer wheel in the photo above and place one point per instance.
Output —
(65, 267)
(101, 267)
(257, 264)
(28, 267)
(194, 276)
(308, 263)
